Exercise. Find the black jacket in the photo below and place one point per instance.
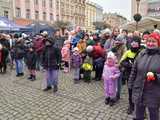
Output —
(51, 57)
(31, 58)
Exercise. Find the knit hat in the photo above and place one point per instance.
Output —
(111, 55)
(136, 39)
(106, 31)
(145, 36)
(75, 49)
(155, 36)
(67, 42)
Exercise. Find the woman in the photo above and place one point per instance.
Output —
(144, 80)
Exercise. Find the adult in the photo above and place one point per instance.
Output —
(98, 55)
(126, 64)
(58, 39)
(144, 80)
(105, 36)
(51, 58)
(39, 44)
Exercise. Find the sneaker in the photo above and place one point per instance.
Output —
(47, 88)
(55, 89)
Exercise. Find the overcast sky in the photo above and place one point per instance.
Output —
(123, 7)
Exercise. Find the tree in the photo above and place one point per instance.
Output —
(61, 25)
(101, 25)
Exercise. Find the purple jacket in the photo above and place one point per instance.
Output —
(76, 60)
(110, 71)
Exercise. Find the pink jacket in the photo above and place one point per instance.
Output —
(110, 71)
(65, 52)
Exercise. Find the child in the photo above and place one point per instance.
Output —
(66, 55)
(31, 63)
(76, 62)
(87, 68)
(110, 76)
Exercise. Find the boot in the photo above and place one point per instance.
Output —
(21, 74)
(47, 88)
(55, 89)
(130, 109)
(111, 102)
(33, 78)
(107, 100)
(30, 77)
(18, 75)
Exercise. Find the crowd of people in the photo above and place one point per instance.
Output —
(116, 57)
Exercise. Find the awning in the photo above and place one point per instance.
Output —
(147, 23)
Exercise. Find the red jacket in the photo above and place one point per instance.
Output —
(39, 45)
(98, 51)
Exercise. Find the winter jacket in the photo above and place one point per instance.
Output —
(51, 58)
(39, 45)
(109, 71)
(31, 58)
(58, 42)
(19, 51)
(143, 91)
(76, 60)
(98, 51)
(81, 46)
(90, 42)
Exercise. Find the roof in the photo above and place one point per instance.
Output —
(147, 23)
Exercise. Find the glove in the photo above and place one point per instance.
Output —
(151, 76)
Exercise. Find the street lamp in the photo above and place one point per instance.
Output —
(137, 17)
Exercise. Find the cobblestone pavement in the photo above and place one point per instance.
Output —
(21, 99)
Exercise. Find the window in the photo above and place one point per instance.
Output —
(6, 14)
(51, 16)
(36, 2)
(44, 15)
(44, 3)
(18, 12)
(28, 14)
(36, 15)
(51, 3)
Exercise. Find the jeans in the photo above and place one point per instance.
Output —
(19, 66)
(52, 77)
(76, 73)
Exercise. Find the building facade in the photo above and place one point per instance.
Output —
(114, 19)
(99, 13)
(5, 8)
(33, 10)
(72, 11)
(147, 8)
(90, 16)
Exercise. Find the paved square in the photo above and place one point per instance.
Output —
(21, 99)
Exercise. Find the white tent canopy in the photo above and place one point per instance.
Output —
(147, 23)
